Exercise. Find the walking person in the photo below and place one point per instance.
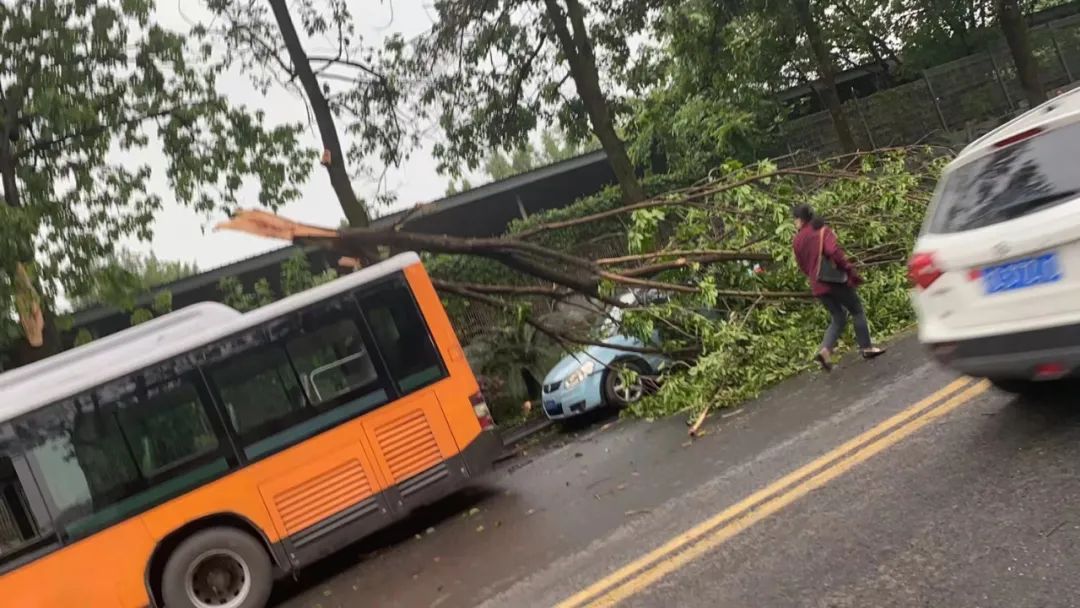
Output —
(833, 281)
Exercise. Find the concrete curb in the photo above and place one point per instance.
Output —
(525, 431)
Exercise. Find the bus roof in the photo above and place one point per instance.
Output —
(72, 372)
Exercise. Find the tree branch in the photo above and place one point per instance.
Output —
(716, 256)
(554, 334)
(350, 63)
(509, 290)
(666, 200)
(93, 131)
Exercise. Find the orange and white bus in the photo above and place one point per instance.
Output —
(188, 461)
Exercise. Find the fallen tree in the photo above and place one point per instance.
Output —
(722, 245)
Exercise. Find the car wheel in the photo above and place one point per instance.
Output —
(619, 389)
(218, 568)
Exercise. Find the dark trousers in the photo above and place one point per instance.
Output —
(840, 301)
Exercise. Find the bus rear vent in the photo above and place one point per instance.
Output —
(408, 445)
(322, 496)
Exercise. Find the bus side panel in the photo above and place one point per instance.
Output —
(104, 570)
(289, 492)
(320, 488)
(412, 443)
(455, 391)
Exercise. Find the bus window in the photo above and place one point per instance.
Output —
(103, 461)
(310, 380)
(332, 360)
(402, 336)
(258, 387)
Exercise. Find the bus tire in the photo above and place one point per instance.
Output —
(220, 568)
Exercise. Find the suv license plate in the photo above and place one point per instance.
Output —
(1022, 274)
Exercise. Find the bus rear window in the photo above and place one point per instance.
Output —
(1017, 180)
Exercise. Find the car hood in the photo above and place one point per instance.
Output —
(601, 355)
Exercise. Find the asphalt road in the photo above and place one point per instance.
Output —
(871, 486)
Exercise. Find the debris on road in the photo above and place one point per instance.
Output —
(698, 421)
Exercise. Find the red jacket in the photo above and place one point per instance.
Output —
(807, 246)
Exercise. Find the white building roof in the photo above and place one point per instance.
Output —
(71, 372)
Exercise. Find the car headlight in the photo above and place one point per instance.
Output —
(579, 374)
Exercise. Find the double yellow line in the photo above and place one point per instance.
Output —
(639, 574)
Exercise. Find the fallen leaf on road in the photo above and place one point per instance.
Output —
(498, 524)
(530, 512)
(430, 531)
(688, 444)
(606, 427)
(327, 593)
(480, 528)
(473, 511)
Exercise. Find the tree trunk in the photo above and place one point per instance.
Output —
(577, 48)
(826, 74)
(1015, 28)
(23, 352)
(354, 209)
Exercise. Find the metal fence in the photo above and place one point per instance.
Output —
(954, 97)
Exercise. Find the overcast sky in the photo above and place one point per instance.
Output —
(181, 234)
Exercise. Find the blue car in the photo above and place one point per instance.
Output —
(590, 378)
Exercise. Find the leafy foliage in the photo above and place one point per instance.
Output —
(492, 73)
(553, 147)
(125, 275)
(296, 276)
(876, 213)
(86, 89)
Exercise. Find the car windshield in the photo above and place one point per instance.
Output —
(609, 323)
(1015, 181)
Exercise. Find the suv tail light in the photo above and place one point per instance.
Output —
(922, 272)
(483, 413)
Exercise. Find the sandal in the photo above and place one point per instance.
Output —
(822, 359)
(872, 353)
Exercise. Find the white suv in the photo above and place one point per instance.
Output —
(996, 270)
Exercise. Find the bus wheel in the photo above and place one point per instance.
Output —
(218, 568)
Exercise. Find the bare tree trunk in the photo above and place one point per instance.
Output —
(577, 48)
(1015, 28)
(354, 209)
(826, 73)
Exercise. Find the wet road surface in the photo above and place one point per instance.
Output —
(969, 498)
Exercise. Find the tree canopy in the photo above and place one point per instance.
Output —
(89, 90)
(123, 276)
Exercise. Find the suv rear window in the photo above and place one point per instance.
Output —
(1012, 182)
